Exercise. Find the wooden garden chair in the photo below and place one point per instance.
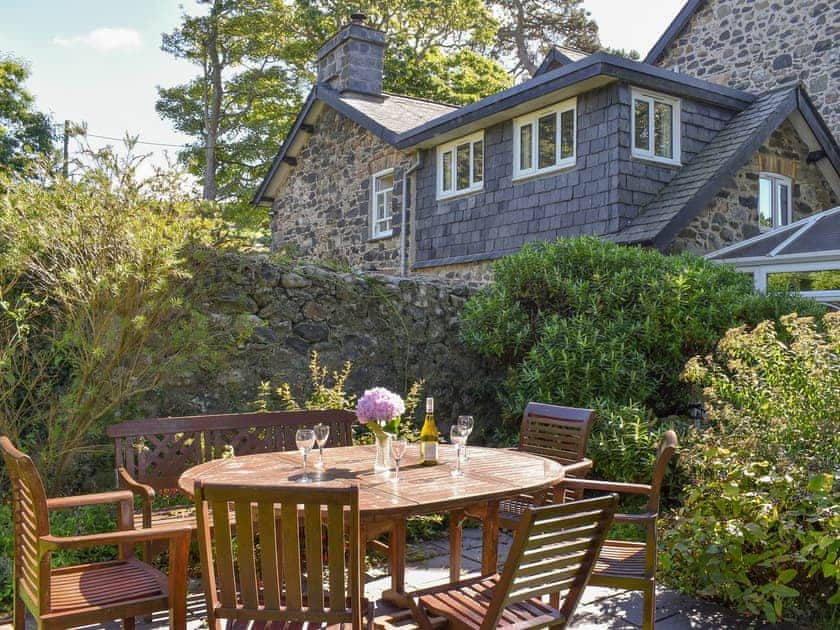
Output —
(95, 592)
(559, 433)
(553, 552)
(262, 574)
(632, 565)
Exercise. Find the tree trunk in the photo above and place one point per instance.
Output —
(522, 52)
(212, 104)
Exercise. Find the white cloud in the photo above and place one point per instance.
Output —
(103, 40)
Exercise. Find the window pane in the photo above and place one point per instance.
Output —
(547, 141)
(463, 166)
(641, 140)
(663, 124)
(765, 202)
(567, 134)
(384, 182)
(525, 148)
(478, 161)
(804, 281)
(447, 170)
(782, 205)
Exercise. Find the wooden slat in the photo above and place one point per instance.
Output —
(314, 557)
(224, 553)
(245, 554)
(268, 556)
(291, 555)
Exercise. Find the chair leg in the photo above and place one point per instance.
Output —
(649, 610)
(456, 544)
(20, 613)
(128, 623)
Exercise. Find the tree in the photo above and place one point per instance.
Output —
(256, 61)
(528, 28)
(25, 133)
(244, 96)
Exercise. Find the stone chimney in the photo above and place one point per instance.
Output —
(353, 60)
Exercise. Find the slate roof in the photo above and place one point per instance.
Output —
(693, 187)
(558, 57)
(819, 233)
(395, 112)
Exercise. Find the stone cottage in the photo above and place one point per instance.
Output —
(594, 144)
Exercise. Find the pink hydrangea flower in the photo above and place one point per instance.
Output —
(379, 404)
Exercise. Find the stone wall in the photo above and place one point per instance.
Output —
(324, 210)
(733, 214)
(758, 45)
(394, 330)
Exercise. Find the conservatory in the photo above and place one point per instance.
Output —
(803, 256)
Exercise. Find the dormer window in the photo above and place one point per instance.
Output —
(774, 201)
(544, 141)
(655, 127)
(460, 166)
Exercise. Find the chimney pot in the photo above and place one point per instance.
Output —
(358, 18)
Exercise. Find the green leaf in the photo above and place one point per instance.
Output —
(786, 576)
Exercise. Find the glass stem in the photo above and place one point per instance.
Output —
(397, 469)
(304, 464)
(321, 451)
(458, 458)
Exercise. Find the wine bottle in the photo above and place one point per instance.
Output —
(429, 436)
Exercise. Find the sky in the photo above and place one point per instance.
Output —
(99, 61)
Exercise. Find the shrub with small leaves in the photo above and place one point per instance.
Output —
(760, 524)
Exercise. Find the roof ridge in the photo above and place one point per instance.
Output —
(422, 99)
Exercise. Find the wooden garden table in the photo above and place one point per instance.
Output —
(490, 475)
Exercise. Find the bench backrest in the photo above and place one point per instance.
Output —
(156, 451)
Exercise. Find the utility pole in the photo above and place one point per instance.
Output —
(65, 168)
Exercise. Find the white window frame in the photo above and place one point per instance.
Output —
(375, 232)
(775, 180)
(533, 120)
(760, 273)
(452, 149)
(651, 98)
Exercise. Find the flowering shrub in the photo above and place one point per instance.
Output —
(760, 524)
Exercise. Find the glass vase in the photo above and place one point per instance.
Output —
(383, 451)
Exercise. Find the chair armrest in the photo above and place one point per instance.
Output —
(176, 532)
(116, 496)
(638, 519)
(125, 480)
(581, 467)
(145, 492)
(606, 486)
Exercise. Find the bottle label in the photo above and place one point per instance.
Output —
(430, 451)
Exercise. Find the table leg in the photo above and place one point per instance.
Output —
(490, 539)
(456, 543)
(396, 556)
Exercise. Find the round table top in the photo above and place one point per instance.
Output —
(490, 474)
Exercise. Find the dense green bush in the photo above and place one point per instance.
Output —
(584, 322)
(760, 524)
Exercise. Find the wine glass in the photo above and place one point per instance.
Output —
(398, 448)
(305, 439)
(467, 423)
(322, 434)
(458, 436)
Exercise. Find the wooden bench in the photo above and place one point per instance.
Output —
(152, 454)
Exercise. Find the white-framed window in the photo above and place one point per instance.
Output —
(655, 127)
(460, 166)
(544, 141)
(381, 194)
(774, 200)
